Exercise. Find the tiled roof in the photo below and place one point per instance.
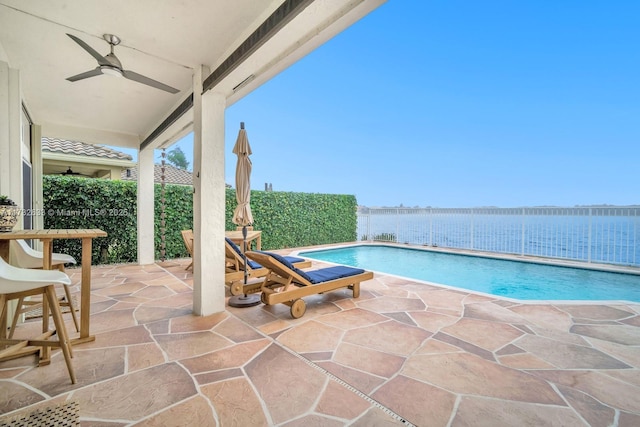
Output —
(56, 145)
(172, 175)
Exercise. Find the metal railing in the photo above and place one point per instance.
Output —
(608, 235)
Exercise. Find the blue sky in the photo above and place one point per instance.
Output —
(451, 103)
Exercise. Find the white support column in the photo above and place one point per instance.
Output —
(208, 199)
(146, 208)
(10, 141)
(10, 134)
(36, 172)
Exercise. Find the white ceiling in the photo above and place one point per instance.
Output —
(164, 40)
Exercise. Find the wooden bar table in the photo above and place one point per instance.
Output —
(47, 236)
(237, 238)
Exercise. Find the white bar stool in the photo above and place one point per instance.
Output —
(23, 256)
(20, 283)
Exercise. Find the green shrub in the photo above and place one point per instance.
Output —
(178, 216)
(290, 220)
(71, 202)
(385, 237)
(286, 219)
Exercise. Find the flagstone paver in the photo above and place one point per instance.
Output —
(311, 337)
(469, 374)
(403, 394)
(134, 396)
(610, 391)
(285, 383)
(391, 337)
(474, 411)
(621, 334)
(238, 405)
(488, 335)
(426, 354)
(194, 411)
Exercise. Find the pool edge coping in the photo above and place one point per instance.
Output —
(508, 257)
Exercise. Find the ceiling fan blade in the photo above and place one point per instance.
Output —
(95, 72)
(101, 59)
(69, 172)
(148, 81)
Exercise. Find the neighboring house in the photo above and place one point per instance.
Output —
(75, 158)
(172, 175)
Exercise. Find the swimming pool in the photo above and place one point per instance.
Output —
(513, 279)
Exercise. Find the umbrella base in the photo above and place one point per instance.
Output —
(244, 300)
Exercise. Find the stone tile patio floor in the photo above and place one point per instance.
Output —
(403, 353)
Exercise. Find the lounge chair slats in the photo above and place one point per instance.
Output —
(234, 275)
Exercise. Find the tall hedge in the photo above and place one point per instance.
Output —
(290, 220)
(286, 219)
(178, 216)
(71, 202)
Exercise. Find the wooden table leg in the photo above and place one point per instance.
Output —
(4, 249)
(47, 251)
(85, 289)
(4, 253)
(85, 294)
(3, 316)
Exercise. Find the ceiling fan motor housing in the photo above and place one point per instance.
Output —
(111, 39)
(110, 64)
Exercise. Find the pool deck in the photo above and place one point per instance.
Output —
(403, 350)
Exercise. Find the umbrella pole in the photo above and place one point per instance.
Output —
(245, 300)
(244, 252)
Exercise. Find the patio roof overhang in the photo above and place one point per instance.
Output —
(213, 52)
(246, 42)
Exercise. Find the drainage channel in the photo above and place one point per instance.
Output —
(347, 386)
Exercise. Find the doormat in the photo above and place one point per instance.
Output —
(61, 415)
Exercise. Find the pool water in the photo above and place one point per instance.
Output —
(513, 279)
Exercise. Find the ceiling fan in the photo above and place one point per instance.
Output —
(69, 172)
(111, 65)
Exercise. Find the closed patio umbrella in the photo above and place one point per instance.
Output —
(242, 214)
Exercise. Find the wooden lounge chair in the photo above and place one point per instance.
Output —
(287, 284)
(187, 236)
(234, 264)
